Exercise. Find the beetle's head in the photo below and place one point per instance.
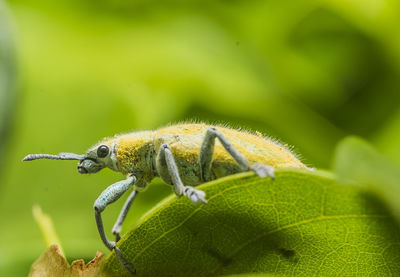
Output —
(98, 157)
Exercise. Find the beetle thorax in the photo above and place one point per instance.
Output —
(135, 153)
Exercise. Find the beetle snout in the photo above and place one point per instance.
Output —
(89, 166)
(82, 170)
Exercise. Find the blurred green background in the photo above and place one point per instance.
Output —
(73, 72)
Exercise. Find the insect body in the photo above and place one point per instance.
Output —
(183, 155)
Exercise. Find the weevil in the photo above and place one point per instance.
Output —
(183, 155)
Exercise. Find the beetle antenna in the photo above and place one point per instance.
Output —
(61, 156)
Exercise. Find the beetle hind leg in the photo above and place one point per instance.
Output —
(263, 170)
(207, 150)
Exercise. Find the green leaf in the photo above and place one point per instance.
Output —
(301, 223)
(356, 160)
(255, 275)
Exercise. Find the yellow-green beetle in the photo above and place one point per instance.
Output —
(183, 155)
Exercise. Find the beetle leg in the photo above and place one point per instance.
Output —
(207, 150)
(194, 194)
(108, 196)
(263, 170)
(116, 230)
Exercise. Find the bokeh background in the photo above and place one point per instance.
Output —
(73, 72)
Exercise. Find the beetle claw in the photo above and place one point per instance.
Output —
(127, 265)
(263, 170)
(195, 195)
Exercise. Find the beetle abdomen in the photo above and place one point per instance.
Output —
(185, 141)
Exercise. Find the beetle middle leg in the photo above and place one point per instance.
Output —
(108, 196)
(166, 155)
(207, 151)
(116, 230)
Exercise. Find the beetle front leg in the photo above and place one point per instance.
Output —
(166, 155)
(207, 151)
(108, 196)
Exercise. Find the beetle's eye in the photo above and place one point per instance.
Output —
(102, 151)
